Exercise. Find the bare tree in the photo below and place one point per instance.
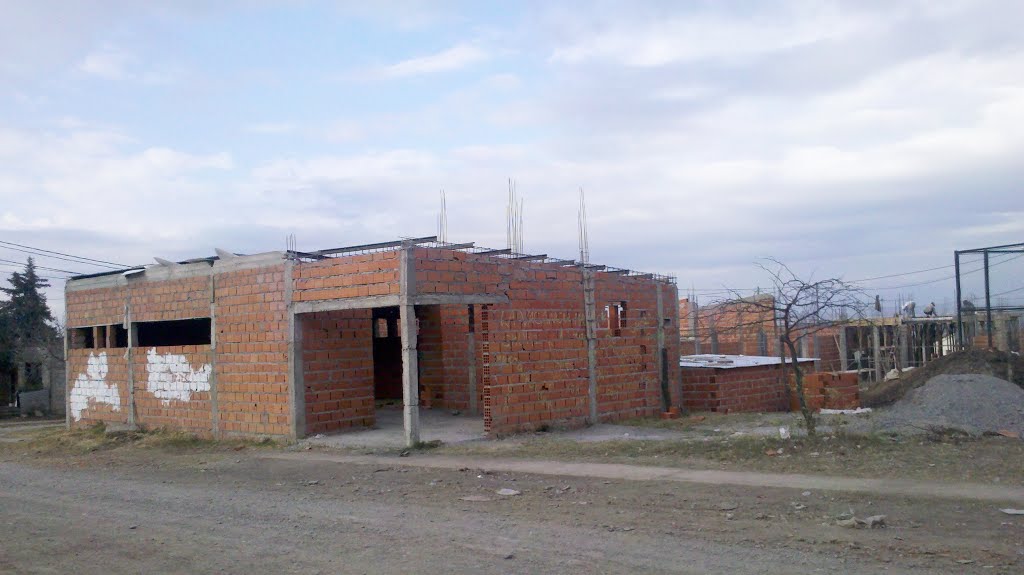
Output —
(802, 308)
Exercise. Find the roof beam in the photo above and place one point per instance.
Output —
(536, 257)
(494, 252)
(377, 246)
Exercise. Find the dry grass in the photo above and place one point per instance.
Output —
(940, 458)
(52, 441)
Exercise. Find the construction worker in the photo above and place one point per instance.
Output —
(929, 310)
(908, 308)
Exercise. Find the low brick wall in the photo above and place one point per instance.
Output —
(736, 389)
(828, 390)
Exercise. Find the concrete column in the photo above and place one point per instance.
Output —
(693, 317)
(844, 361)
(877, 345)
(410, 365)
(924, 344)
(666, 396)
(474, 408)
(214, 408)
(590, 318)
(67, 370)
(133, 342)
(904, 345)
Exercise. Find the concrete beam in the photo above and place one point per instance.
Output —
(458, 299)
(364, 302)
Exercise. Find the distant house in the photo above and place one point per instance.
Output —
(34, 382)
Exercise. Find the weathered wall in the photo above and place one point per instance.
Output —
(244, 372)
(172, 387)
(337, 365)
(98, 381)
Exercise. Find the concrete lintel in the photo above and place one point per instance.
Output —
(364, 302)
(458, 299)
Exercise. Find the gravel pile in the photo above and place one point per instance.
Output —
(974, 404)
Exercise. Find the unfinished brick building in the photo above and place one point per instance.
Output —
(290, 343)
(737, 327)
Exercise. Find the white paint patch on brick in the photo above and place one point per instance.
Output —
(171, 377)
(91, 387)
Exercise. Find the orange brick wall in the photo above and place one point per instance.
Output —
(252, 352)
(337, 363)
(628, 383)
(98, 386)
(169, 387)
(739, 389)
(736, 325)
(537, 353)
(430, 357)
(537, 342)
(348, 276)
(170, 299)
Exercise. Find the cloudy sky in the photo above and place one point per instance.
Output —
(857, 139)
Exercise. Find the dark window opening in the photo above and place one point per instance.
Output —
(100, 335)
(177, 332)
(120, 336)
(33, 376)
(81, 338)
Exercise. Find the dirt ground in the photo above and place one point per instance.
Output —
(130, 503)
(752, 442)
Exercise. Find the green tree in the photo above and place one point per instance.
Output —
(27, 318)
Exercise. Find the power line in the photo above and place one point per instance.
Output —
(60, 255)
(41, 267)
(1006, 292)
(962, 274)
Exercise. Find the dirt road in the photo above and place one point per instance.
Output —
(222, 511)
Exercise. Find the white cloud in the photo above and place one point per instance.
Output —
(454, 58)
(710, 35)
(109, 63)
(270, 128)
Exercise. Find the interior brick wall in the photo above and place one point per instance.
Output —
(457, 356)
(430, 357)
(337, 364)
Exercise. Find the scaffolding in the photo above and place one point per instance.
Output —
(989, 308)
